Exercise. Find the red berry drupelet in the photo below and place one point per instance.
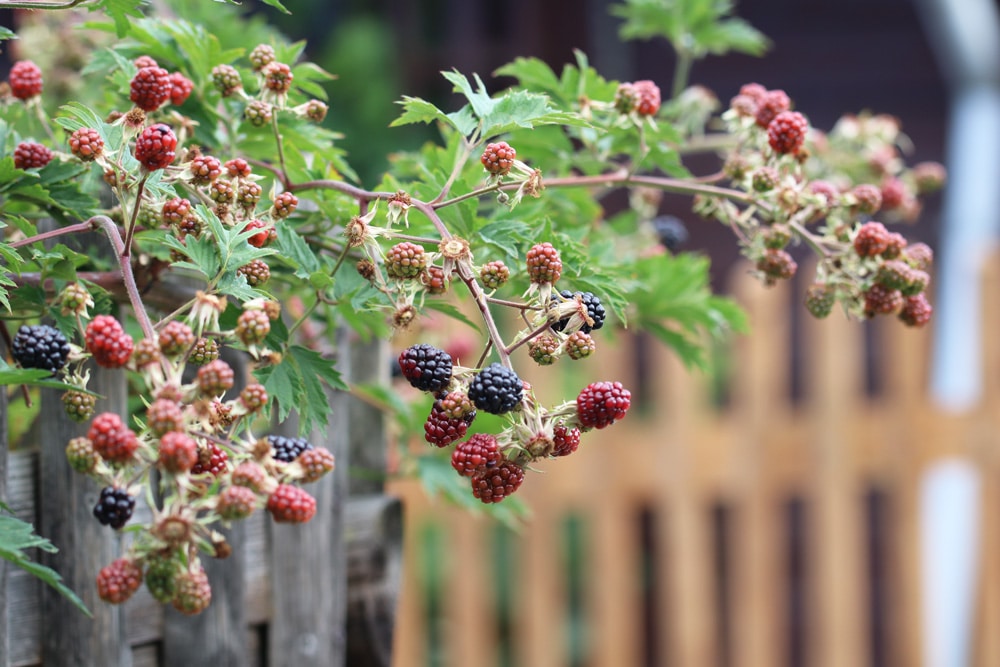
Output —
(769, 105)
(880, 300)
(236, 502)
(112, 439)
(495, 484)
(40, 346)
(442, 430)
(181, 88)
(192, 593)
(316, 463)
(107, 341)
(496, 389)
(477, 455)
(405, 261)
(215, 378)
(31, 155)
(25, 80)
(426, 367)
(150, 88)
(601, 404)
(291, 504)
(498, 158)
(86, 143)
(544, 265)
(118, 581)
(565, 440)
(787, 132)
(647, 98)
(178, 452)
(114, 507)
(871, 240)
(916, 311)
(211, 459)
(156, 147)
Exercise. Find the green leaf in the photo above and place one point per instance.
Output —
(416, 110)
(277, 5)
(696, 27)
(15, 537)
(7, 33)
(120, 11)
(316, 371)
(294, 251)
(33, 377)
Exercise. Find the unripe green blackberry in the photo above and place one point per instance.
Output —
(257, 272)
(147, 353)
(894, 274)
(205, 350)
(777, 236)
(252, 326)
(405, 261)
(193, 593)
(226, 79)
(315, 110)
(626, 98)
(544, 349)
(776, 265)
(277, 77)
(896, 245)
(81, 455)
(258, 113)
(820, 299)
(579, 345)
(765, 179)
(929, 177)
(75, 299)
(544, 265)
(248, 194)
(261, 56)
(456, 405)
(161, 575)
(79, 406)
(494, 274)
(222, 192)
(919, 280)
(205, 169)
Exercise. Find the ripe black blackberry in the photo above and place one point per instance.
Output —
(595, 311)
(40, 346)
(496, 389)
(287, 449)
(670, 231)
(426, 367)
(114, 508)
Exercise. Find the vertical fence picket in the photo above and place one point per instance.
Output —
(65, 511)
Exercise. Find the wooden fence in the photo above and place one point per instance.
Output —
(773, 523)
(321, 594)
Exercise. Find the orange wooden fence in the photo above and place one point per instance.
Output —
(778, 529)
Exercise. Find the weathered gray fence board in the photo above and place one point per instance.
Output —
(65, 516)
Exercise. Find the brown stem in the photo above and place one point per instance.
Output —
(465, 273)
(71, 229)
(127, 245)
(530, 336)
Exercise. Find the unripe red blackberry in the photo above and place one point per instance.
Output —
(193, 593)
(248, 194)
(494, 274)
(434, 280)
(544, 265)
(257, 272)
(872, 239)
(894, 193)
(880, 300)
(81, 455)
(765, 179)
(212, 459)
(205, 350)
(315, 463)
(252, 327)
(277, 77)
(498, 158)
(163, 416)
(565, 440)
(626, 98)
(920, 256)
(79, 406)
(258, 113)
(112, 439)
(25, 80)
(315, 110)
(145, 60)
(205, 169)
(896, 245)
(114, 507)
(601, 404)
(820, 299)
(226, 80)
(868, 198)
(787, 132)
(181, 88)
(40, 346)
(648, 98)
(776, 264)
(118, 581)
(405, 261)
(254, 397)
(579, 345)
(284, 205)
(495, 484)
(215, 378)
(175, 210)
(894, 274)
(150, 88)
(262, 237)
(31, 155)
(175, 338)
(929, 177)
(916, 311)
(178, 452)
(238, 168)
(262, 55)
(156, 147)
(426, 367)
(107, 341)
(442, 430)
(86, 143)
(770, 105)
(235, 502)
(477, 455)
(544, 349)
(291, 504)
(146, 353)
(250, 475)
(496, 389)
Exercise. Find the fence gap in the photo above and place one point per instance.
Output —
(797, 607)
(879, 534)
(720, 516)
(575, 567)
(505, 588)
(650, 580)
(431, 564)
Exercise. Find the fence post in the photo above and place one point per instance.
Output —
(65, 516)
(217, 636)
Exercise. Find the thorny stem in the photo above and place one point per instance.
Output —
(465, 273)
(127, 247)
(528, 337)
(469, 195)
(512, 304)
(128, 276)
(53, 233)
(809, 238)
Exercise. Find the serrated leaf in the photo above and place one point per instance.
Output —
(293, 250)
(480, 100)
(16, 536)
(531, 73)
(283, 385)
(416, 110)
(121, 12)
(316, 371)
